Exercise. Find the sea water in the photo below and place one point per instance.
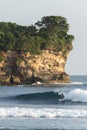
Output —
(40, 107)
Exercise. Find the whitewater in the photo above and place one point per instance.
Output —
(43, 113)
(41, 106)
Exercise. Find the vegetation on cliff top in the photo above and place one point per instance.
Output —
(49, 33)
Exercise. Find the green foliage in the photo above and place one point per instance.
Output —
(49, 33)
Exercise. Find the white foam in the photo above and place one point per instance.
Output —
(77, 83)
(37, 83)
(43, 112)
(70, 83)
(76, 95)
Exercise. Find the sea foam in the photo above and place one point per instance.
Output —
(76, 95)
(43, 112)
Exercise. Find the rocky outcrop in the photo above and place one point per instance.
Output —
(24, 68)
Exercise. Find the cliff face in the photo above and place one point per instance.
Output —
(24, 68)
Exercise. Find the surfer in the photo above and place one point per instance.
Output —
(61, 96)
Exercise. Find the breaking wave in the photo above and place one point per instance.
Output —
(72, 83)
(59, 84)
(76, 95)
(43, 112)
(41, 98)
(51, 97)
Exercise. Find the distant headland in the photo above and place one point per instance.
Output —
(35, 53)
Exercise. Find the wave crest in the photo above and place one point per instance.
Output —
(76, 95)
(41, 98)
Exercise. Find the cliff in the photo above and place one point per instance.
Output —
(25, 68)
(41, 51)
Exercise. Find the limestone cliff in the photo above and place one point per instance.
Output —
(24, 68)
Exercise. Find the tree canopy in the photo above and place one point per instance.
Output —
(51, 32)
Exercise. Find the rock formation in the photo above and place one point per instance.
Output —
(24, 68)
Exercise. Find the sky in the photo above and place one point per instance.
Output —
(27, 12)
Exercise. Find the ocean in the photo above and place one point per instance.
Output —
(41, 107)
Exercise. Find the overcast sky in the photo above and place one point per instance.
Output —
(26, 12)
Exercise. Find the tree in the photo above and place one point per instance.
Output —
(31, 30)
(51, 32)
(53, 24)
(54, 30)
